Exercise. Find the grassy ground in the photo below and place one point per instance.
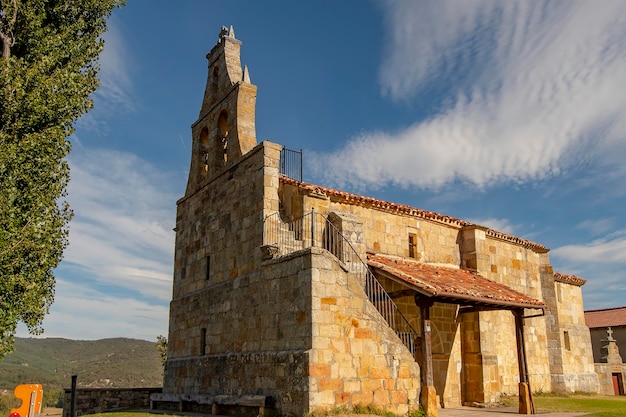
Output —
(597, 406)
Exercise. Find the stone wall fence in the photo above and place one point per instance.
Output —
(100, 400)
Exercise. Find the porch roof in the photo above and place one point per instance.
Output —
(451, 285)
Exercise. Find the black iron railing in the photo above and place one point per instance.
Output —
(290, 164)
(315, 230)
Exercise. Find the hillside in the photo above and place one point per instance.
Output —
(100, 363)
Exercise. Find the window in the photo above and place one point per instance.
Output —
(204, 148)
(566, 340)
(203, 341)
(222, 128)
(214, 78)
(412, 245)
(207, 270)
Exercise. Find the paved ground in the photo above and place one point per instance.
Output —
(497, 412)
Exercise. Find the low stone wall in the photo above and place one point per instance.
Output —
(98, 400)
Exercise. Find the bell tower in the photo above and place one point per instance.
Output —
(225, 129)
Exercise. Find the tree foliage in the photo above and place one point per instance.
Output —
(48, 70)
(161, 345)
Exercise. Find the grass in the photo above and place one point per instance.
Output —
(596, 405)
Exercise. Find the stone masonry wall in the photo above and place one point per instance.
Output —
(100, 400)
(219, 233)
(356, 358)
(605, 374)
(258, 333)
(519, 266)
(578, 368)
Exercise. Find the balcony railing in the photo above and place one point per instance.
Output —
(290, 164)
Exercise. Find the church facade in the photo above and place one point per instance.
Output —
(298, 297)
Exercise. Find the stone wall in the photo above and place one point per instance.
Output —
(577, 356)
(605, 373)
(521, 265)
(100, 400)
(356, 358)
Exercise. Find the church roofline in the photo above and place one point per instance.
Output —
(359, 200)
(569, 279)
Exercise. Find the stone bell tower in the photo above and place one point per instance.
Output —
(225, 129)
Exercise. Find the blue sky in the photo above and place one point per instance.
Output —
(508, 114)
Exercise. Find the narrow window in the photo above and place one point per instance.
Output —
(208, 268)
(203, 342)
(204, 148)
(566, 339)
(183, 272)
(412, 245)
(222, 127)
(214, 78)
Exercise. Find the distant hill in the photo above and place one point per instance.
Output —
(120, 362)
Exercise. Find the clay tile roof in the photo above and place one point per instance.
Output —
(355, 199)
(445, 282)
(569, 279)
(607, 317)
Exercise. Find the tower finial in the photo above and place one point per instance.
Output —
(246, 75)
(223, 32)
(231, 32)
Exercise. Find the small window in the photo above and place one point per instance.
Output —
(203, 342)
(183, 272)
(208, 268)
(412, 245)
(214, 78)
(204, 148)
(566, 340)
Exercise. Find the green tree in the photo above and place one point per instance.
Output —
(48, 70)
(161, 345)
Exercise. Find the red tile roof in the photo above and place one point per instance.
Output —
(355, 199)
(607, 317)
(569, 279)
(445, 282)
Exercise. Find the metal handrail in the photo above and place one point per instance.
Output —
(315, 230)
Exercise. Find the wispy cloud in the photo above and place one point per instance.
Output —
(610, 250)
(598, 226)
(533, 89)
(82, 312)
(114, 96)
(121, 234)
(116, 275)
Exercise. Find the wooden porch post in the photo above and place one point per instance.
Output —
(428, 395)
(526, 404)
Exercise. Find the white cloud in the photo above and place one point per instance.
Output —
(121, 233)
(598, 226)
(114, 95)
(116, 276)
(116, 62)
(82, 312)
(611, 250)
(533, 88)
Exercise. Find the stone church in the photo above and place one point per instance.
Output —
(298, 297)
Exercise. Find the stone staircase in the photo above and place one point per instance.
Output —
(314, 229)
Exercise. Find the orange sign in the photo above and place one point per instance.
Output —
(31, 396)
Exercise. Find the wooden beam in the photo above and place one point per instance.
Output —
(526, 403)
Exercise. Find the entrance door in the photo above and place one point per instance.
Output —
(617, 389)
